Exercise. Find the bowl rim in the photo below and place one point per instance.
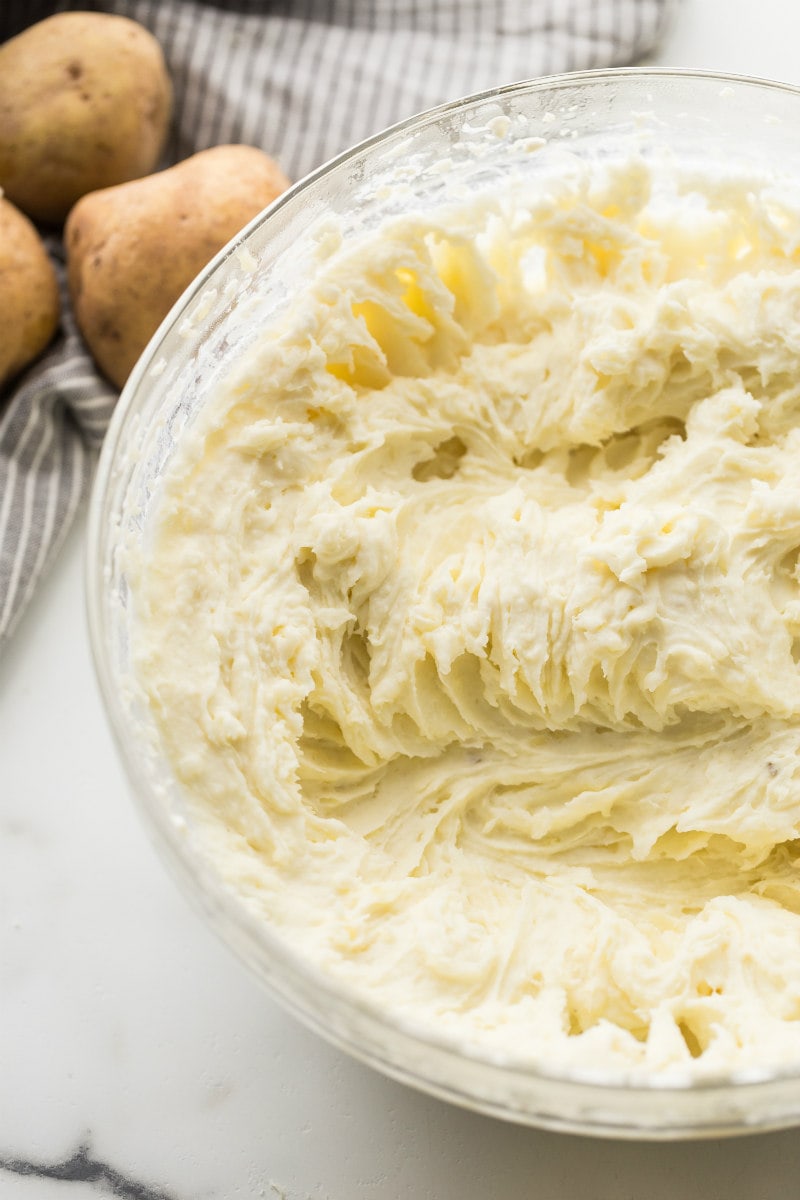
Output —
(194, 876)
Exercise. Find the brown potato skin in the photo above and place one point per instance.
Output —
(133, 249)
(29, 302)
(85, 103)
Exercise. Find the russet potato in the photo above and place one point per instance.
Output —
(133, 249)
(85, 103)
(29, 303)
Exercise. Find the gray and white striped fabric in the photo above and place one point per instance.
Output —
(302, 79)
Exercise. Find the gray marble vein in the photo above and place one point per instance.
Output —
(83, 1167)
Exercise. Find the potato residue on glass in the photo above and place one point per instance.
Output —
(470, 616)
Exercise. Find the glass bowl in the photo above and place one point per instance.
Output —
(452, 150)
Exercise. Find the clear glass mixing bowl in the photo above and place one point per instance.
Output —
(424, 162)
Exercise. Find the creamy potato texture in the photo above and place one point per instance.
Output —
(470, 617)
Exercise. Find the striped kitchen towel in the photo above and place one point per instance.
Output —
(302, 79)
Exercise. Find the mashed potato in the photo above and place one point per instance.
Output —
(470, 617)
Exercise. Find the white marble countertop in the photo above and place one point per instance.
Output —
(138, 1059)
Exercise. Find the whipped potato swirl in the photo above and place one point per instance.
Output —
(470, 616)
